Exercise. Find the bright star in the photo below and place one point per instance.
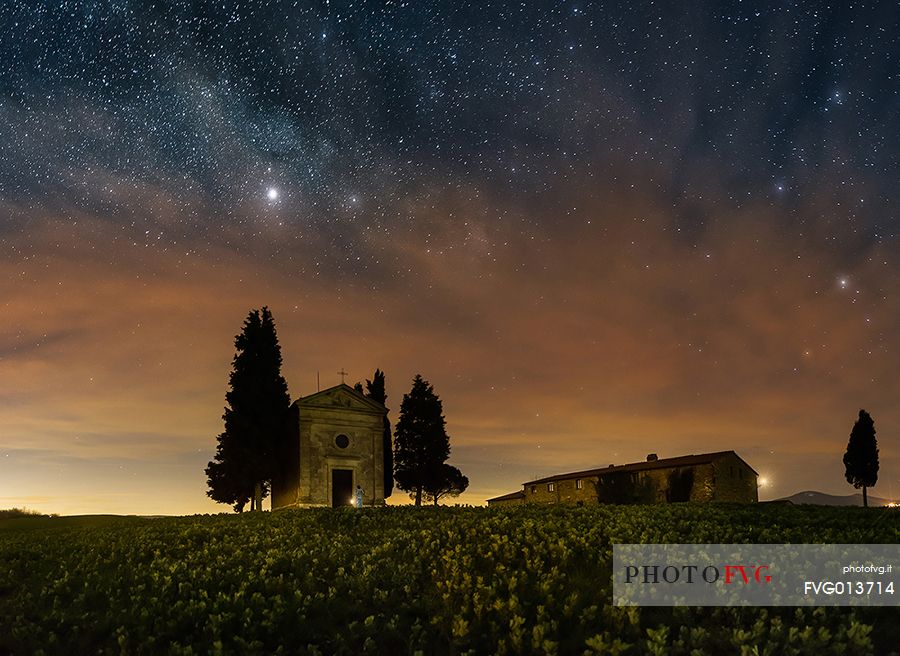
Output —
(272, 193)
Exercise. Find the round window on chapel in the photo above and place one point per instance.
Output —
(342, 441)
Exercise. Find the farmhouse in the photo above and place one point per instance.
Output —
(720, 476)
(335, 445)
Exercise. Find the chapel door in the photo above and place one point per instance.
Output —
(341, 487)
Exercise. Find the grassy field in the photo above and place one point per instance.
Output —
(405, 580)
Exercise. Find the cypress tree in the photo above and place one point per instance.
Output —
(375, 390)
(421, 443)
(256, 417)
(861, 457)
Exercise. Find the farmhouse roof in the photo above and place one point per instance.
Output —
(663, 463)
(509, 497)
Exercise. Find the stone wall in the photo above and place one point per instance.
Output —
(320, 454)
(662, 485)
(564, 491)
(735, 481)
(726, 479)
(704, 488)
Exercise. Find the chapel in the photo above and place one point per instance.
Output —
(335, 445)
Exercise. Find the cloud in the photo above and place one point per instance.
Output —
(578, 339)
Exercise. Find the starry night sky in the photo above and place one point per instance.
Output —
(598, 229)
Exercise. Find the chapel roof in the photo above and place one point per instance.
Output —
(316, 398)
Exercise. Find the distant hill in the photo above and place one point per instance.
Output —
(822, 499)
(68, 521)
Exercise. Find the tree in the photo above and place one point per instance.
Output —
(624, 487)
(861, 458)
(681, 484)
(228, 481)
(375, 391)
(446, 481)
(421, 443)
(256, 418)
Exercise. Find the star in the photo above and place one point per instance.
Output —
(468, 176)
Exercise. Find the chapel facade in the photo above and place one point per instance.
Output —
(335, 445)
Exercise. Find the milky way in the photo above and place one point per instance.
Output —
(599, 229)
